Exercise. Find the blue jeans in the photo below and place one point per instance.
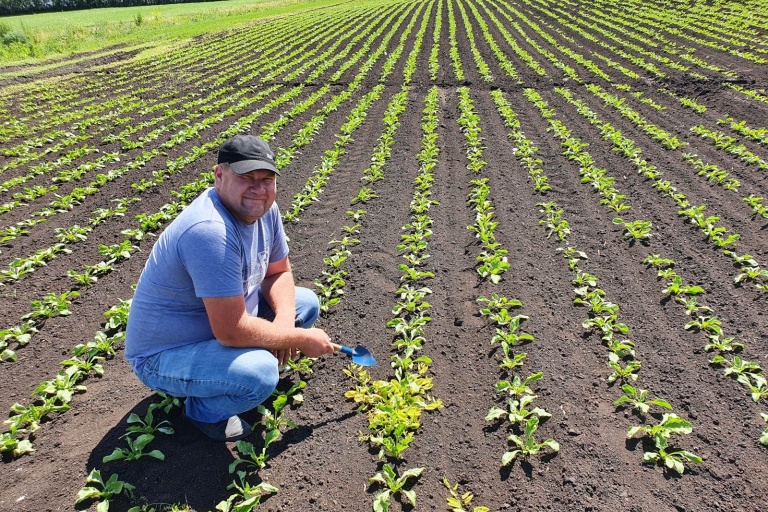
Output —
(221, 381)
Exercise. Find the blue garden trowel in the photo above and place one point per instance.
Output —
(360, 355)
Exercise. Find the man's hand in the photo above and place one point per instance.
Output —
(315, 342)
(234, 327)
(285, 355)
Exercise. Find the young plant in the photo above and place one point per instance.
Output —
(496, 302)
(356, 215)
(117, 316)
(247, 496)
(725, 344)
(493, 265)
(147, 425)
(638, 398)
(554, 221)
(62, 387)
(519, 386)
(676, 288)
(526, 444)
(636, 230)
(72, 234)
(706, 323)
(273, 420)
(101, 346)
(671, 459)
(302, 365)
(9, 442)
(364, 195)
(248, 456)
(84, 279)
(655, 260)
(394, 484)
(27, 419)
(737, 366)
(135, 450)
(87, 365)
(413, 274)
(52, 305)
(458, 503)
(622, 373)
(670, 424)
(20, 334)
(97, 488)
(510, 363)
(517, 411)
(757, 385)
(117, 252)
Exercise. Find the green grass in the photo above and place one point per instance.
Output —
(42, 37)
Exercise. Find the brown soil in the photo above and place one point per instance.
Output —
(320, 465)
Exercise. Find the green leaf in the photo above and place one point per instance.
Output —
(280, 402)
(413, 472)
(379, 478)
(156, 454)
(271, 436)
(678, 425)
(8, 355)
(691, 456)
(23, 447)
(509, 457)
(142, 441)
(115, 486)
(411, 495)
(87, 493)
(661, 403)
(622, 400)
(673, 463)
(381, 502)
(233, 465)
(650, 457)
(531, 425)
(552, 444)
(118, 454)
(495, 413)
(268, 488)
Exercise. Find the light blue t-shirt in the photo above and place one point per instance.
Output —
(204, 252)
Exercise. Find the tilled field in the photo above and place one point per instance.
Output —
(603, 163)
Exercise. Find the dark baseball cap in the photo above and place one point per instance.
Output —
(246, 153)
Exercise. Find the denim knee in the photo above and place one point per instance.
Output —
(307, 307)
(263, 376)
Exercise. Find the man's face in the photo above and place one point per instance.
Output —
(247, 196)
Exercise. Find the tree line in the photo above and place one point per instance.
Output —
(11, 7)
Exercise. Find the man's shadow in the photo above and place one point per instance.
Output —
(195, 469)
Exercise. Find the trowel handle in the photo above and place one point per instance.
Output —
(343, 349)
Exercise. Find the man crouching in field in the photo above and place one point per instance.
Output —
(216, 310)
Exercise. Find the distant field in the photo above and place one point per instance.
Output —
(40, 36)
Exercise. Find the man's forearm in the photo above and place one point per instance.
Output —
(258, 332)
(234, 327)
(280, 293)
